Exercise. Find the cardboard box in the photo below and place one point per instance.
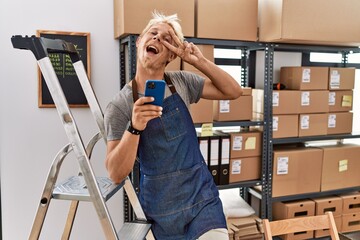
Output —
(201, 112)
(296, 170)
(329, 22)
(245, 169)
(231, 19)
(305, 78)
(245, 144)
(340, 101)
(292, 209)
(283, 101)
(339, 123)
(132, 16)
(285, 126)
(332, 204)
(341, 78)
(314, 101)
(326, 232)
(313, 124)
(233, 110)
(351, 203)
(350, 222)
(340, 167)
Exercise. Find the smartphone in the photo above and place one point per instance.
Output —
(155, 89)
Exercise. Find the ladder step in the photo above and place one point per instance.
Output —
(134, 230)
(74, 188)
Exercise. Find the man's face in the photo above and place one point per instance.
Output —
(151, 52)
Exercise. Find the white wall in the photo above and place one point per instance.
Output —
(29, 136)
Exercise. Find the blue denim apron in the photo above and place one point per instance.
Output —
(177, 191)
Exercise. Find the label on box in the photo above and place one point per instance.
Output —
(332, 121)
(206, 129)
(305, 98)
(346, 101)
(275, 99)
(334, 79)
(282, 165)
(343, 165)
(305, 122)
(224, 106)
(236, 167)
(332, 98)
(250, 143)
(237, 144)
(275, 123)
(306, 75)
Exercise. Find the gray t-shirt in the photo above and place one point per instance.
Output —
(118, 112)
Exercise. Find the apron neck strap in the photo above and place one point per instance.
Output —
(135, 88)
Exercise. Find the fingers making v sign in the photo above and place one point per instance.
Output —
(187, 51)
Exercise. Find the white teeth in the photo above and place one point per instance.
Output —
(153, 49)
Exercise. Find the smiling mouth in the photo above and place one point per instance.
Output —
(152, 49)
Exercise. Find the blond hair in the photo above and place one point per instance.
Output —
(172, 20)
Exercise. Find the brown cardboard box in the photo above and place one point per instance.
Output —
(340, 101)
(285, 126)
(314, 101)
(327, 204)
(305, 78)
(351, 202)
(231, 19)
(340, 122)
(324, 233)
(132, 16)
(341, 78)
(327, 22)
(350, 222)
(302, 208)
(332, 204)
(296, 170)
(313, 124)
(283, 101)
(201, 112)
(245, 144)
(340, 167)
(233, 110)
(244, 169)
(207, 51)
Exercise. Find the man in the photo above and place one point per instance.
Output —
(177, 192)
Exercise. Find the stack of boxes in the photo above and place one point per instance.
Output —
(345, 209)
(316, 101)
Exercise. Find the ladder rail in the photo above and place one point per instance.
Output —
(77, 145)
(47, 192)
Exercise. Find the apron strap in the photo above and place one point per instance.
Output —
(134, 87)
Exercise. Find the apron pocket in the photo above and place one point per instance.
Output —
(173, 124)
(178, 191)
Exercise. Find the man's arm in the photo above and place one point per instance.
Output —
(221, 85)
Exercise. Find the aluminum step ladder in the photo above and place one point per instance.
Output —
(85, 186)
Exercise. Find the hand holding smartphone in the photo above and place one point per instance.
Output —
(155, 89)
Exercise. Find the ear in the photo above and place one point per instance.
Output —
(172, 57)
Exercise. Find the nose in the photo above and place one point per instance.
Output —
(156, 38)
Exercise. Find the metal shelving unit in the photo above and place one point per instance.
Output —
(269, 59)
(127, 72)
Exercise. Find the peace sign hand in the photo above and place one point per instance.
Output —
(188, 52)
